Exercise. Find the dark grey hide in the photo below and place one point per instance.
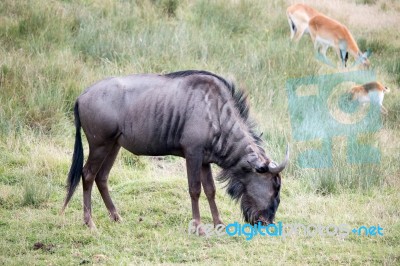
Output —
(192, 114)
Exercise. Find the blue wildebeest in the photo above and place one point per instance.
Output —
(192, 114)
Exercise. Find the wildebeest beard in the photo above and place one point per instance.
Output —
(254, 216)
(238, 184)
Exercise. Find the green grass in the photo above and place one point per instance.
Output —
(50, 52)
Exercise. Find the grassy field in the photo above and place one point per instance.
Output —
(51, 50)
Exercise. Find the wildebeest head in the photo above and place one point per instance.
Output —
(257, 186)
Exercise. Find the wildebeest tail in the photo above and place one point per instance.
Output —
(75, 171)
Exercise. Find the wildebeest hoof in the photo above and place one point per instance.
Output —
(93, 228)
(115, 217)
(218, 223)
(200, 232)
(91, 225)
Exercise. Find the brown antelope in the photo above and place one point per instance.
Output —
(362, 93)
(298, 17)
(326, 32)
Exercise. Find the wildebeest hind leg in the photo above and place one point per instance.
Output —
(97, 155)
(209, 189)
(102, 185)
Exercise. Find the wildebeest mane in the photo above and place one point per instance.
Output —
(234, 187)
(238, 95)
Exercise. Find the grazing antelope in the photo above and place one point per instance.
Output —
(362, 93)
(326, 32)
(298, 17)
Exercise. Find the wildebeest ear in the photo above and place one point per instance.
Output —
(256, 163)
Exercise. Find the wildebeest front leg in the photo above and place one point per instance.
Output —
(209, 189)
(101, 182)
(193, 166)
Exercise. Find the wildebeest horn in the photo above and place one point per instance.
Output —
(275, 169)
